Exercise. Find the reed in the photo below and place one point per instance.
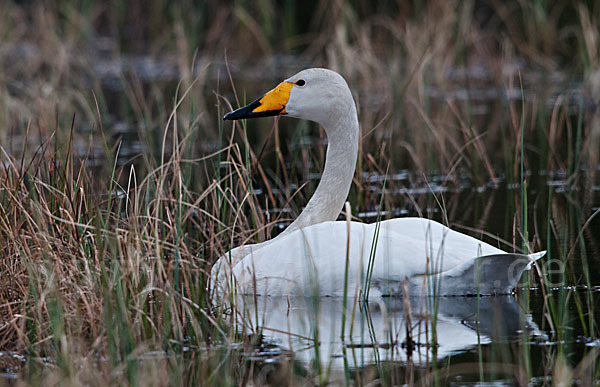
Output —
(120, 185)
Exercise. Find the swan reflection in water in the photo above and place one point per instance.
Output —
(391, 329)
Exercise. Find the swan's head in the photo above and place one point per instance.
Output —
(319, 95)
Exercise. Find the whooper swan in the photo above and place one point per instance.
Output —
(310, 256)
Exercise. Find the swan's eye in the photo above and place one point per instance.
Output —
(300, 82)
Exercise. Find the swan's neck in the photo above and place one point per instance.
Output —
(340, 162)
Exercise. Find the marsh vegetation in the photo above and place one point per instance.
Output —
(120, 185)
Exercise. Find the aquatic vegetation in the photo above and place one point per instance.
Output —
(120, 185)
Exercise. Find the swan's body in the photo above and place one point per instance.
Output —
(309, 257)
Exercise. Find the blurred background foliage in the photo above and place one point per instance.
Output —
(57, 56)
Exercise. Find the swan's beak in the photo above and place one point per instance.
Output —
(271, 104)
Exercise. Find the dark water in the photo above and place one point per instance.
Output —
(459, 338)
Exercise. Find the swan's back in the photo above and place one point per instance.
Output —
(311, 261)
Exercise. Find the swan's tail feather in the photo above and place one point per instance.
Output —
(487, 275)
(534, 257)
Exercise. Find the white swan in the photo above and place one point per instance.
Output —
(309, 257)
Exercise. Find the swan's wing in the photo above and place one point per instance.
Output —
(460, 264)
(435, 236)
(315, 256)
(487, 275)
(423, 246)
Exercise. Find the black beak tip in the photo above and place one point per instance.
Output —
(248, 112)
(243, 112)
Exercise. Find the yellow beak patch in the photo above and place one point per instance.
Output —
(276, 99)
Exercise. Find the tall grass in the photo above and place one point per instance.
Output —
(120, 188)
